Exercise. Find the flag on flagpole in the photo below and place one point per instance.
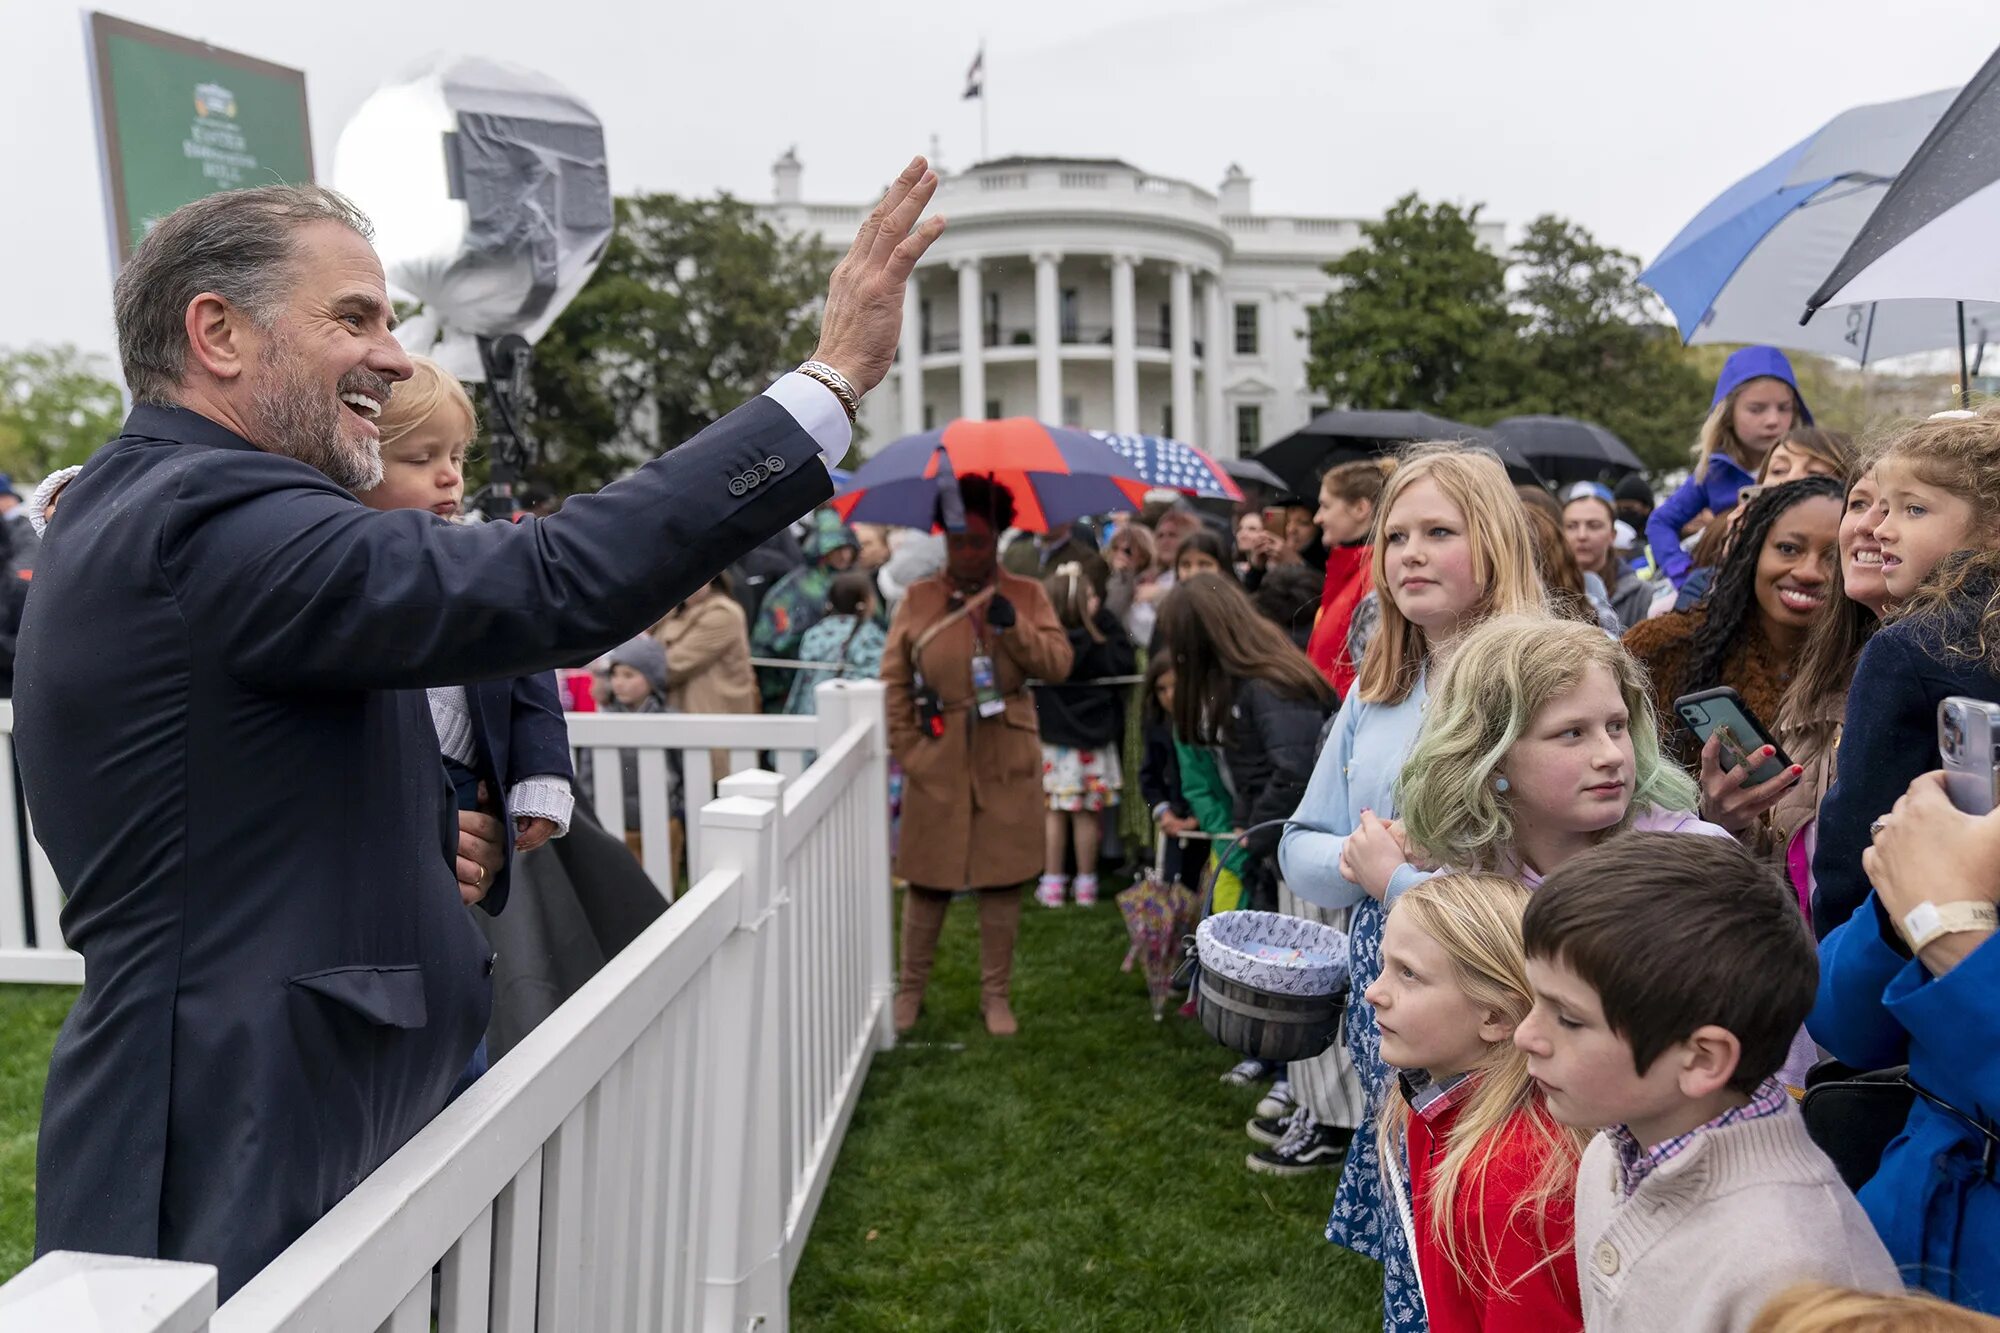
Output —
(975, 77)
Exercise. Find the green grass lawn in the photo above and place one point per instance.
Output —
(1086, 1175)
(29, 1017)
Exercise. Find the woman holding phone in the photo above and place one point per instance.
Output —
(1748, 632)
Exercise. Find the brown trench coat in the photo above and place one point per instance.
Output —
(972, 801)
(708, 664)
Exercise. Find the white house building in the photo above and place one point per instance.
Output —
(1088, 292)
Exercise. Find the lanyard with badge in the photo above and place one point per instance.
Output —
(985, 687)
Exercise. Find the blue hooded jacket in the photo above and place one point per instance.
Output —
(1717, 486)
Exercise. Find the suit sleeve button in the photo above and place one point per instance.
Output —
(737, 486)
(775, 464)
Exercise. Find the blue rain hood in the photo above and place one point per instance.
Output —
(1756, 363)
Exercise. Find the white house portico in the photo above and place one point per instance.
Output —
(1088, 292)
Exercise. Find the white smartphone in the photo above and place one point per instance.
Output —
(1969, 743)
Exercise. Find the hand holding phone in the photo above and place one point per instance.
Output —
(1721, 713)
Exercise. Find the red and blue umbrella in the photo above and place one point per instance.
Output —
(1056, 474)
(1174, 465)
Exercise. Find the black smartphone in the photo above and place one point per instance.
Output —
(1722, 712)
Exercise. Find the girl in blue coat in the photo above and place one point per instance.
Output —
(1756, 402)
(1450, 550)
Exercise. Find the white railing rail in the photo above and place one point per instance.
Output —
(652, 1156)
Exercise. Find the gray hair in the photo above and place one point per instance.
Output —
(238, 245)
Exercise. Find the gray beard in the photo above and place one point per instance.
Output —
(295, 419)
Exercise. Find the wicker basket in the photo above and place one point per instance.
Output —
(1272, 987)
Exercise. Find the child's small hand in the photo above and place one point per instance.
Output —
(1371, 855)
(531, 832)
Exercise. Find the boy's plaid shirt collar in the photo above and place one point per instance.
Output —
(1431, 1098)
(1636, 1163)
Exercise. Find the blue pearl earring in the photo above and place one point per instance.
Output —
(1500, 785)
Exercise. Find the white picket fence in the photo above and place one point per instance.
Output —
(652, 1156)
(30, 898)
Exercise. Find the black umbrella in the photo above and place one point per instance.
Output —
(1341, 436)
(1564, 449)
(1252, 472)
(1932, 234)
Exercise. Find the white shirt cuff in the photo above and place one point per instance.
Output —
(546, 796)
(818, 413)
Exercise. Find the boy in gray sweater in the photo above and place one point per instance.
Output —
(1671, 973)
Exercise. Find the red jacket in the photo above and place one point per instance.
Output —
(1546, 1301)
(1349, 576)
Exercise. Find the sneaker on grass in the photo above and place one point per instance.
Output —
(1270, 1130)
(1307, 1146)
(1245, 1072)
(1278, 1102)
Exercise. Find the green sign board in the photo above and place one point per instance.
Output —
(180, 119)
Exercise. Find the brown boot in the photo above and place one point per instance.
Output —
(999, 924)
(923, 921)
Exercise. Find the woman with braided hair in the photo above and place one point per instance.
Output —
(1769, 589)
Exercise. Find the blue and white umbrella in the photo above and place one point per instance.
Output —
(1174, 465)
(1743, 269)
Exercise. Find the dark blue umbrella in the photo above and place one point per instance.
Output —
(1172, 464)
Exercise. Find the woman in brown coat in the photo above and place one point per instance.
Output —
(971, 756)
(708, 659)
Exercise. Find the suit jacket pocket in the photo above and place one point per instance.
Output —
(390, 997)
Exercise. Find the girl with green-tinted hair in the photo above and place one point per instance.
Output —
(1539, 742)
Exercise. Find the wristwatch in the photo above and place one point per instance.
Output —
(1928, 921)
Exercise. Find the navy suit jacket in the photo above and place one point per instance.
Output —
(519, 732)
(228, 756)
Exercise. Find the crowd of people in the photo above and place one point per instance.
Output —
(1596, 966)
(1647, 1028)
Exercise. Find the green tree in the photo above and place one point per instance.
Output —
(697, 306)
(1595, 345)
(1420, 318)
(56, 408)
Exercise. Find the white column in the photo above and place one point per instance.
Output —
(913, 356)
(1181, 312)
(1124, 346)
(1217, 438)
(1048, 340)
(971, 342)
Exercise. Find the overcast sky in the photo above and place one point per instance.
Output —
(1624, 115)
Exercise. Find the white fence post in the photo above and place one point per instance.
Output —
(841, 704)
(102, 1293)
(743, 1190)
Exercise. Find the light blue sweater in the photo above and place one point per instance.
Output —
(1356, 771)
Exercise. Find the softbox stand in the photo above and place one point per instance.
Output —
(505, 360)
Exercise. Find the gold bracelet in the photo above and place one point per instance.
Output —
(850, 401)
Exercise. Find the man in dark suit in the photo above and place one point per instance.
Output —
(223, 730)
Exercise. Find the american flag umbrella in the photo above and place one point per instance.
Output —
(1170, 463)
(1056, 474)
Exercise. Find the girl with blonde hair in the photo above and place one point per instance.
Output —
(1490, 1176)
(1451, 549)
(1539, 743)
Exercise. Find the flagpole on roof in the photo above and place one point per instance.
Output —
(975, 86)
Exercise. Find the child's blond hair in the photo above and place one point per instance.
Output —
(1503, 559)
(1503, 673)
(1816, 1307)
(1476, 920)
(430, 389)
